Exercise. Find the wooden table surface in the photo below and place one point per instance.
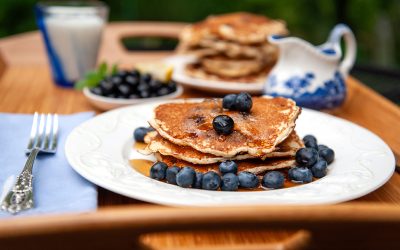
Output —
(26, 86)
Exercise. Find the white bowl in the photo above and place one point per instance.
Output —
(107, 103)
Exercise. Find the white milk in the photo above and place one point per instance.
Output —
(76, 41)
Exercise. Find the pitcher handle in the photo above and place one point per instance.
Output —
(350, 43)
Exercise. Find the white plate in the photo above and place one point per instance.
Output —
(221, 87)
(100, 148)
(107, 103)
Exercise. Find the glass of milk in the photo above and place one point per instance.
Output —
(72, 33)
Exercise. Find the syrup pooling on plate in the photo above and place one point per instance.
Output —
(142, 166)
(184, 163)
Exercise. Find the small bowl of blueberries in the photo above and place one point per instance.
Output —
(117, 88)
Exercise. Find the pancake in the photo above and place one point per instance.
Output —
(231, 47)
(252, 166)
(265, 51)
(223, 66)
(157, 144)
(240, 27)
(198, 52)
(257, 133)
(195, 70)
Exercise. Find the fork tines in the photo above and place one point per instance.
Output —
(44, 133)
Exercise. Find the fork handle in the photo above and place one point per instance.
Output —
(21, 195)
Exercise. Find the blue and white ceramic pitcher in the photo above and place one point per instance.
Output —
(313, 76)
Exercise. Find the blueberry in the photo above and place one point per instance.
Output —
(186, 177)
(327, 154)
(300, 174)
(228, 102)
(142, 87)
(243, 102)
(198, 180)
(116, 80)
(321, 146)
(146, 78)
(171, 86)
(319, 169)
(155, 84)
(139, 134)
(107, 87)
(310, 141)
(223, 124)
(248, 180)
(112, 95)
(228, 167)
(158, 170)
(230, 182)
(144, 94)
(211, 181)
(122, 74)
(134, 96)
(163, 91)
(132, 81)
(96, 91)
(273, 179)
(171, 174)
(135, 73)
(125, 90)
(306, 156)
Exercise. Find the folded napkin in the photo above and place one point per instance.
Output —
(57, 187)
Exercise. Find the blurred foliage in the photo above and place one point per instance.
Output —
(373, 21)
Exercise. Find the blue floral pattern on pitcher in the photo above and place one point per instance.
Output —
(330, 94)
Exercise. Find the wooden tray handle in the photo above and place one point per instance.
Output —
(116, 31)
(330, 226)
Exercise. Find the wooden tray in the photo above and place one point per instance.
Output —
(122, 223)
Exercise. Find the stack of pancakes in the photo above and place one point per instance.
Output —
(262, 140)
(231, 47)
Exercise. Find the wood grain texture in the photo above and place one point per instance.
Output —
(26, 86)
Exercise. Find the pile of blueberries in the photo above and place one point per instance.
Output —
(187, 177)
(132, 85)
(313, 161)
(223, 124)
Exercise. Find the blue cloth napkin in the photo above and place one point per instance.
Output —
(57, 187)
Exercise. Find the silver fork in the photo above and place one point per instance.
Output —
(43, 139)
